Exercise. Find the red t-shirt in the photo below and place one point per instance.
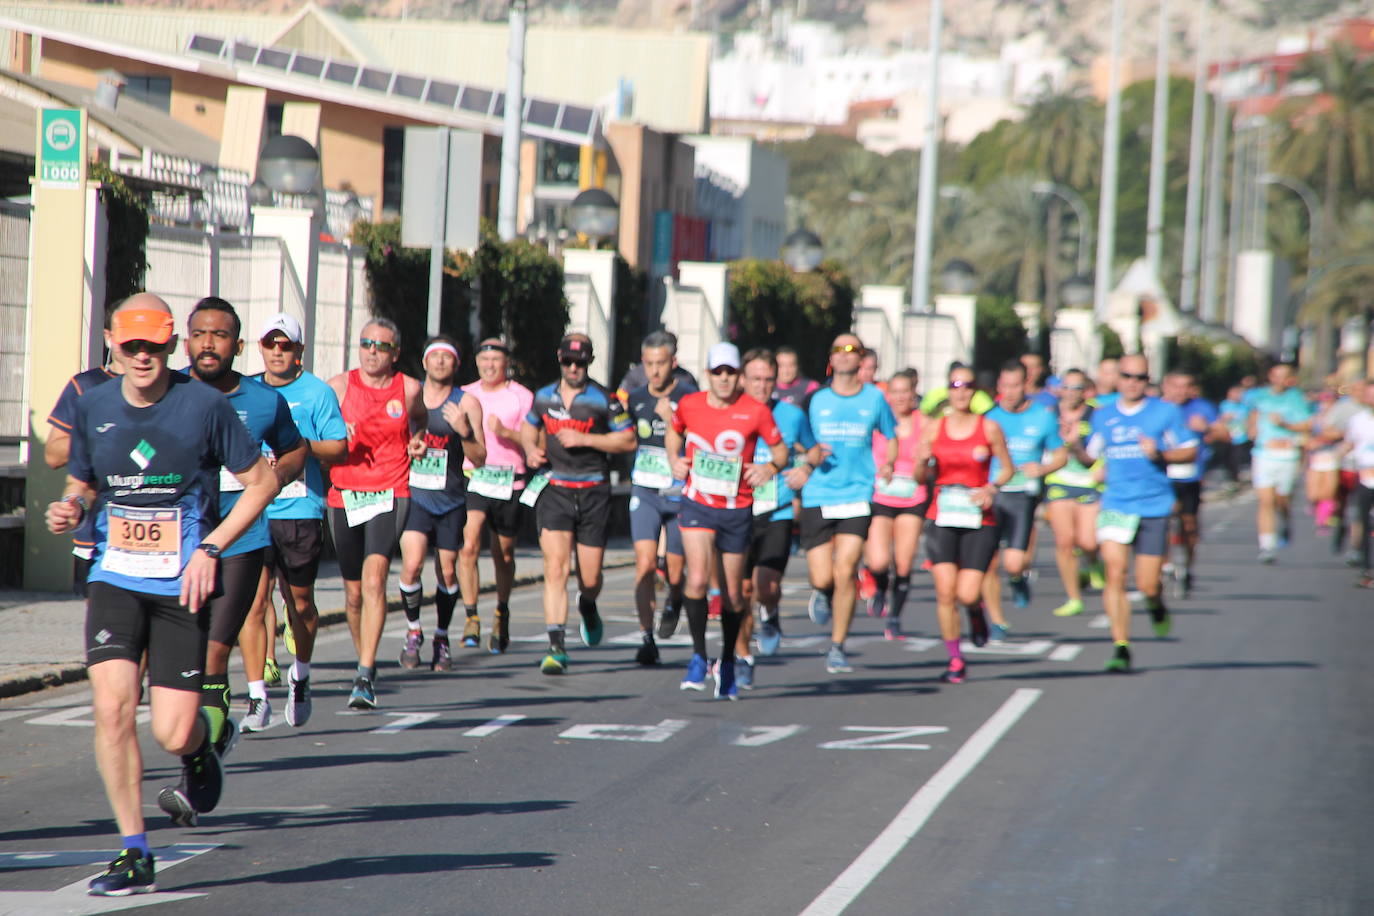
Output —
(377, 452)
(963, 463)
(730, 432)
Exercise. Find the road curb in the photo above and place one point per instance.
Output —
(69, 674)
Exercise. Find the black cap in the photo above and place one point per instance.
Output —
(577, 348)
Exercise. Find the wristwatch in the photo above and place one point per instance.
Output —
(211, 550)
(80, 502)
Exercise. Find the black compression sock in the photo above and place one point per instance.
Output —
(881, 579)
(410, 602)
(214, 699)
(696, 623)
(730, 622)
(900, 587)
(444, 603)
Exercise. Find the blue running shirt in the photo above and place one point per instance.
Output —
(1291, 407)
(268, 420)
(315, 410)
(846, 424)
(155, 469)
(1135, 484)
(1030, 433)
(1192, 471)
(791, 422)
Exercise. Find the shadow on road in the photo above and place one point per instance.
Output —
(372, 866)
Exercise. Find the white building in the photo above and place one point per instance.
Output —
(741, 190)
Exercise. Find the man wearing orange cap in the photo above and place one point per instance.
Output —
(144, 457)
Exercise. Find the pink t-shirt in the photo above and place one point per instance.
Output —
(904, 469)
(508, 404)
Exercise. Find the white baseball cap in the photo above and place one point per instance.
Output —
(722, 354)
(287, 325)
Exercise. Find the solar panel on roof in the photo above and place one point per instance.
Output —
(307, 66)
(412, 87)
(498, 108)
(576, 120)
(206, 45)
(245, 51)
(442, 93)
(475, 99)
(542, 113)
(379, 80)
(277, 60)
(341, 73)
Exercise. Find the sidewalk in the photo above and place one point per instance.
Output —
(43, 635)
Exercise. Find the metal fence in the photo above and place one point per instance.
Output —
(14, 323)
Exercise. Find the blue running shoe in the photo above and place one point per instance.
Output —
(726, 689)
(362, 695)
(695, 678)
(836, 662)
(554, 663)
(998, 633)
(131, 872)
(744, 673)
(770, 635)
(1020, 590)
(591, 628)
(819, 608)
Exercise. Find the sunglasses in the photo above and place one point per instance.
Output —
(1136, 377)
(385, 346)
(281, 345)
(724, 370)
(565, 362)
(135, 347)
(847, 348)
(957, 385)
(1074, 388)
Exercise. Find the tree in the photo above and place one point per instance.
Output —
(1003, 235)
(770, 306)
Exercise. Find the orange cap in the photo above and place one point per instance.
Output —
(141, 324)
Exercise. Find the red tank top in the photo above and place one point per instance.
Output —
(962, 463)
(377, 458)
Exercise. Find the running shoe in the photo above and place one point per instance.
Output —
(271, 673)
(288, 636)
(819, 607)
(977, 625)
(298, 704)
(836, 663)
(228, 738)
(667, 621)
(173, 801)
(695, 678)
(770, 635)
(554, 663)
(713, 606)
(744, 673)
(1267, 557)
(1365, 581)
(1120, 660)
(443, 655)
(1159, 618)
(202, 779)
(999, 634)
(956, 672)
(877, 605)
(591, 628)
(472, 632)
(647, 653)
(259, 715)
(1071, 608)
(1020, 590)
(410, 652)
(362, 695)
(1097, 576)
(131, 872)
(868, 586)
(1084, 577)
(893, 631)
(1353, 558)
(724, 674)
(499, 640)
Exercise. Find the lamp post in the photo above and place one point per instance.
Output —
(595, 214)
(1313, 204)
(1080, 213)
(958, 278)
(802, 250)
(291, 165)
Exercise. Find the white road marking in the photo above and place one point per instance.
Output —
(759, 735)
(1100, 622)
(654, 734)
(79, 716)
(845, 889)
(27, 709)
(492, 727)
(1065, 653)
(883, 737)
(73, 899)
(403, 721)
(1033, 647)
(920, 643)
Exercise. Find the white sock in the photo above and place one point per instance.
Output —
(445, 589)
(300, 670)
(257, 690)
(413, 625)
(1268, 541)
(409, 588)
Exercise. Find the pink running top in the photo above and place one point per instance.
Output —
(508, 404)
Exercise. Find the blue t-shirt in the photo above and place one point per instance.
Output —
(1106, 400)
(846, 424)
(791, 422)
(1291, 406)
(154, 468)
(1192, 471)
(1135, 484)
(1030, 433)
(315, 410)
(440, 435)
(1237, 414)
(268, 420)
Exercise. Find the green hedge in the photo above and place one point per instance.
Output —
(770, 305)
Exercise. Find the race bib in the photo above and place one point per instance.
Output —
(898, 487)
(955, 508)
(360, 507)
(430, 471)
(294, 490)
(766, 496)
(1325, 461)
(716, 475)
(142, 543)
(1075, 478)
(534, 488)
(1020, 483)
(1117, 527)
(494, 481)
(228, 483)
(847, 510)
(652, 469)
(1185, 471)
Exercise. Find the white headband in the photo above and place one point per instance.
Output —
(440, 345)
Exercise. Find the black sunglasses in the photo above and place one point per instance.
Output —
(1136, 376)
(386, 346)
(135, 347)
(565, 361)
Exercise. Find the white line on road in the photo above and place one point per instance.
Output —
(845, 889)
(1065, 653)
(492, 727)
(1100, 622)
(403, 721)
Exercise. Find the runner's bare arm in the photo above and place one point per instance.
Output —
(672, 444)
(66, 513)
(998, 443)
(260, 487)
(291, 463)
(328, 451)
(474, 443)
(58, 448)
(418, 415)
(532, 441)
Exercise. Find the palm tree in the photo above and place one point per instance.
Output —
(1343, 287)
(1003, 235)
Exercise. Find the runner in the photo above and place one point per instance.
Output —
(574, 425)
(296, 517)
(1138, 437)
(1323, 447)
(655, 495)
(899, 506)
(1359, 443)
(1107, 379)
(793, 387)
(957, 452)
(1349, 480)
(1180, 389)
(836, 504)
(369, 496)
(213, 340)
(868, 369)
(1031, 432)
(1279, 416)
(1037, 377)
(438, 511)
(935, 402)
(719, 427)
(771, 543)
(1234, 449)
(1071, 497)
(144, 455)
(493, 497)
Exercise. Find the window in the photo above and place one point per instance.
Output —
(151, 90)
(272, 121)
(393, 167)
(559, 163)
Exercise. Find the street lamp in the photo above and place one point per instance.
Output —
(1310, 200)
(1077, 291)
(595, 214)
(802, 251)
(289, 164)
(1080, 213)
(958, 278)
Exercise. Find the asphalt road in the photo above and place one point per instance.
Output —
(1228, 774)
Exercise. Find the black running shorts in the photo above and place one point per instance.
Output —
(121, 624)
(239, 575)
(585, 511)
